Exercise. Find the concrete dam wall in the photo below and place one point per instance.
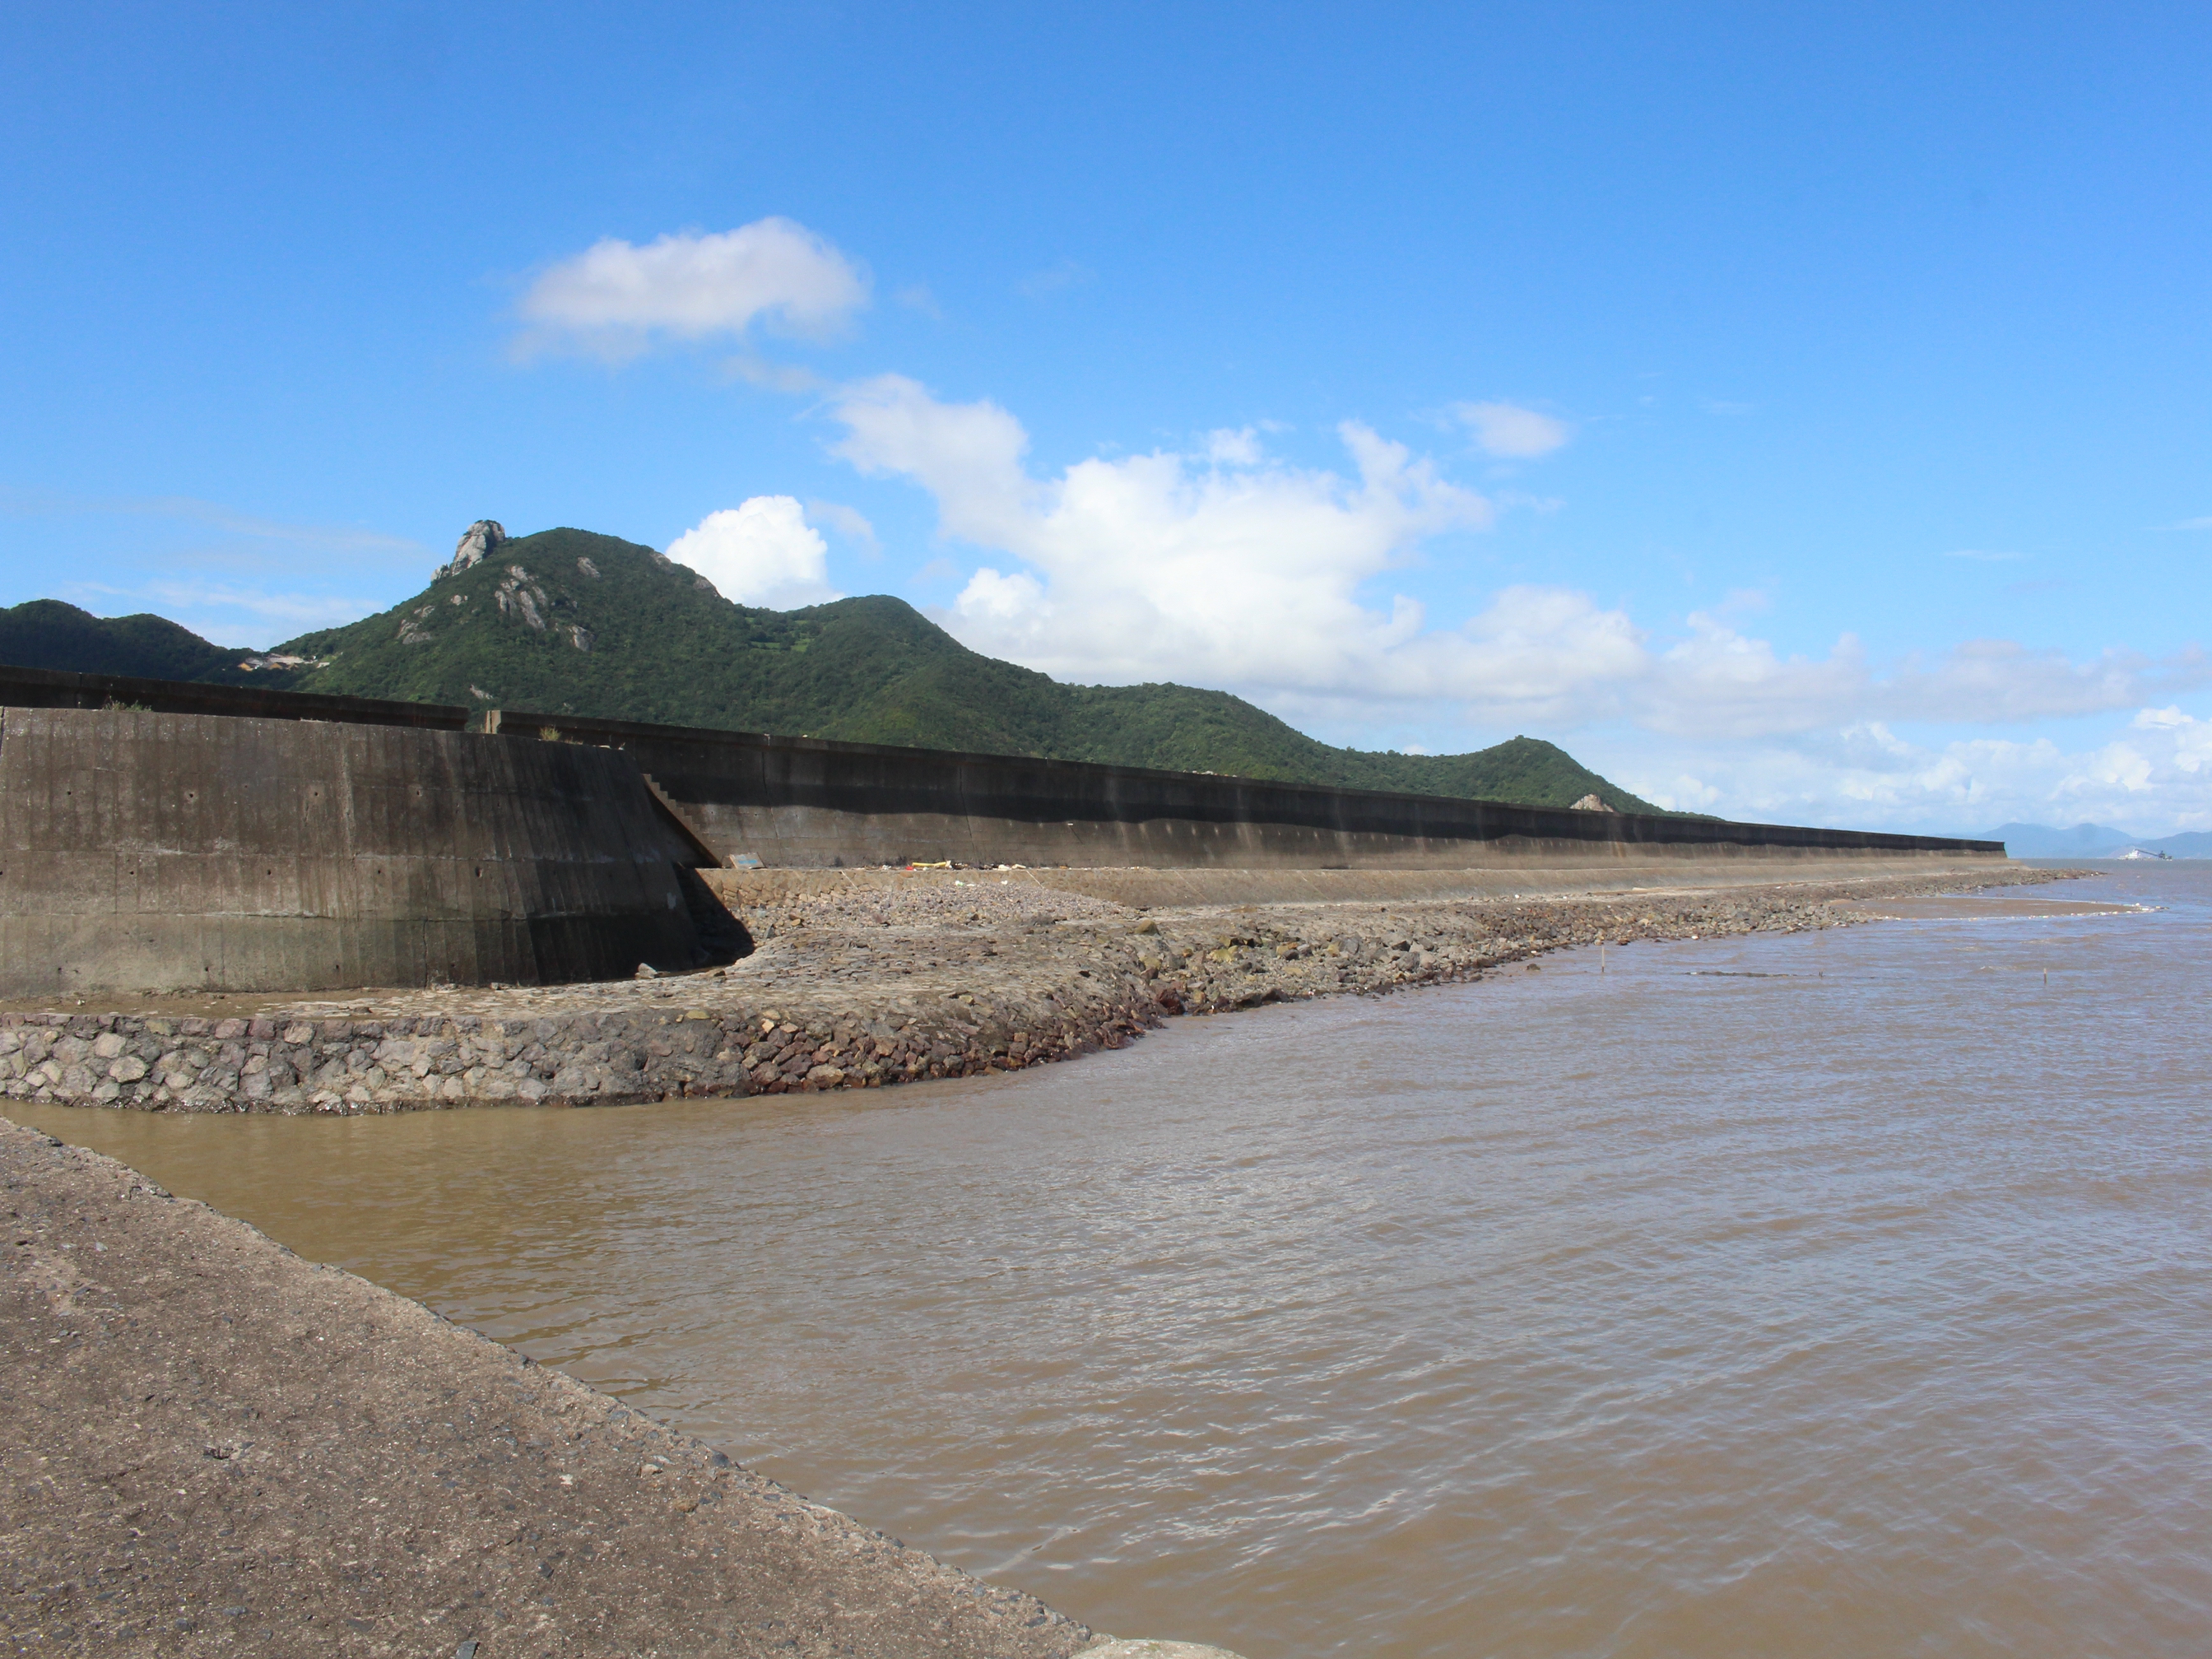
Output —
(809, 803)
(145, 852)
(157, 836)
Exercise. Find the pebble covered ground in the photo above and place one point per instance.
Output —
(859, 986)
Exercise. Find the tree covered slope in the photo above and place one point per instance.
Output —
(48, 633)
(568, 621)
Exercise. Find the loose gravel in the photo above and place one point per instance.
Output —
(862, 985)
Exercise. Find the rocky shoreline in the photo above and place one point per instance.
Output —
(861, 985)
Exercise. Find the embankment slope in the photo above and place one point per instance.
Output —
(215, 1447)
(861, 980)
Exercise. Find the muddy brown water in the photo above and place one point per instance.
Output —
(1834, 1294)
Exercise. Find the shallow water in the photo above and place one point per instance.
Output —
(1844, 1293)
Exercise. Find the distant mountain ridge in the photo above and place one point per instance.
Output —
(48, 633)
(570, 621)
(2096, 840)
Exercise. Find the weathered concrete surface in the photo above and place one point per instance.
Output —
(808, 802)
(51, 688)
(857, 984)
(812, 802)
(143, 851)
(175, 837)
(212, 1446)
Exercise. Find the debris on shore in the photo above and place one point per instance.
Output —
(861, 985)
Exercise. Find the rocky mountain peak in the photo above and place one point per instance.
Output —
(477, 541)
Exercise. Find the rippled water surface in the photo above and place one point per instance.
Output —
(1863, 1307)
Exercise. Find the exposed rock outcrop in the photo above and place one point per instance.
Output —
(478, 541)
(411, 630)
(524, 598)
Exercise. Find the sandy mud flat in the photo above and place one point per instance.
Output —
(863, 982)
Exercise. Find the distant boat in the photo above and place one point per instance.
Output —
(2141, 853)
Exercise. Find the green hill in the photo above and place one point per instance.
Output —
(568, 621)
(48, 633)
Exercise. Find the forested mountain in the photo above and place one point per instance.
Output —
(568, 621)
(48, 633)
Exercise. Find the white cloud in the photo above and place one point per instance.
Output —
(1717, 680)
(2189, 739)
(1216, 567)
(1976, 553)
(2152, 777)
(762, 552)
(1222, 567)
(993, 596)
(1511, 432)
(615, 296)
(1234, 447)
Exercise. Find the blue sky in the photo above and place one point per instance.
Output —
(1798, 412)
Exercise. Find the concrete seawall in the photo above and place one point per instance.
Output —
(809, 803)
(158, 837)
(148, 852)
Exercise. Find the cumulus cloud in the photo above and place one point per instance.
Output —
(2151, 775)
(1718, 680)
(1224, 567)
(762, 552)
(1510, 432)
(1238, 446)
(616, 297)
(2189, 739)
(1221, 566)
